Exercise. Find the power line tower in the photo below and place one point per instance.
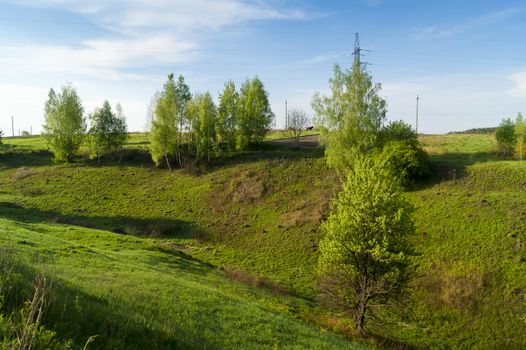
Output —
(357, 53)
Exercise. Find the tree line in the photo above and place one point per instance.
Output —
(188, 129)
(65, 127)
(184, 128)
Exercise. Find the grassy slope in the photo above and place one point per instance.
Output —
(260, 212)
(136, 292)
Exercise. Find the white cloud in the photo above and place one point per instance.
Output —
(176, 14)
(519, 79)
(434, 32)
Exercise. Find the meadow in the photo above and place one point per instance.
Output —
(225, 256)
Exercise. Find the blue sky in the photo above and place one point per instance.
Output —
(466, 59)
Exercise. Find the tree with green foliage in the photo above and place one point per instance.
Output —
(1, 135)
(400, 148)
(65, 125)
(203, 113)
(108, 131)
(255, 114)
(227, 118)
(183, 96)
(520, 135)
(351, 117)
(363, 262)
(506, 137)
(163, 135)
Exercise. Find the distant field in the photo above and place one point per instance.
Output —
(259, 212)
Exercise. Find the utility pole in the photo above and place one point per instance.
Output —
(286, 115)
(417, 105)
(13, 125)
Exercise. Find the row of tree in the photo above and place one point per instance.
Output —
(188, 128)
(66, 129)
(511, 136)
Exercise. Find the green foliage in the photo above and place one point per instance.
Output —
(351, 117)
(108, 131)
(520, 135)
(401, 149)
(228, 114)
(364, 254)
(163, 136)
(183, 96)
(506, 136)
(203, 113)
(255, 114)
(407, 161)
(1, 135)
(398, 131)
(65, 126)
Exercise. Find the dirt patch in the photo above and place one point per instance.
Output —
(307, 212)
(243, 277)
(22, 173)
(246, 188)
(459, 291)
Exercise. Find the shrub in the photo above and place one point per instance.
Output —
(408, 161)
(506, 137)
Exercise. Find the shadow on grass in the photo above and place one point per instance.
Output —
(12, 158)
(266, 151)
(453, 166)
(115, 322)
(159, 227)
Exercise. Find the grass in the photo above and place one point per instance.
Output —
(256, 216)
(134, 293)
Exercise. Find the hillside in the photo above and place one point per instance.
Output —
(245, 232)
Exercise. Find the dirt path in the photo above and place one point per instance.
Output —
(310, 141)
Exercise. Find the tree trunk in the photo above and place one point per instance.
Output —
(360, 317)
(168, 162)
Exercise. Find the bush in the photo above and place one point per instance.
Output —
(506, 137)
(410, 163)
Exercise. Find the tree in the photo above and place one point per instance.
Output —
(203, 114)
(108, 131)
(65, 125)
(1, 135)
(505, 135)
(163, 136)
(520, 135)
(255, 114)
(150, 112)
(350, 118)
(228, 112)
(363, 262)
(298, 121)
(183, 96)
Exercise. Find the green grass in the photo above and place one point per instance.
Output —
(259, 211)
(134, 294)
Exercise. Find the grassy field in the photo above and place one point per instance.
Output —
(250, 224)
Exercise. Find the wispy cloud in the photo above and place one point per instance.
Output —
(329, 57)
(141, 33)
(519, 80)
(433, 32)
